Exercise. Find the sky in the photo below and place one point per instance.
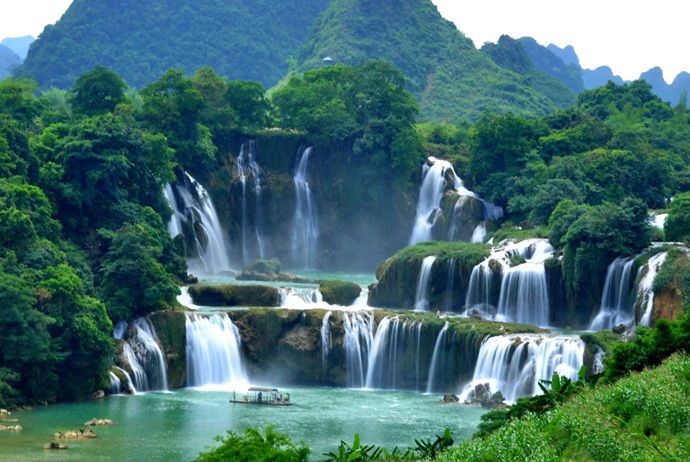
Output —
(630, 37)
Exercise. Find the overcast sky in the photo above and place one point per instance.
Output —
(630, 37)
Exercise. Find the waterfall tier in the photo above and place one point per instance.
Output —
(144, 356)
(422, 297)
(305, 231)
(645, 291)
(214, 357)
(616, 299)
(192, 206)
(247, 166)
(514, 364)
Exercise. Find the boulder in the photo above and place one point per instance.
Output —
(80, 434)
(97, 422)
(451, 398)
(54, 445)
(339, 292)
(100, 394)
(10, 428)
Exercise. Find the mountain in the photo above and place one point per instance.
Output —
(20, 45)
(566, 71)
(594, 78)
(567, 54)
(8, 60)
(141, 39)
(450, 77)
(672, 92)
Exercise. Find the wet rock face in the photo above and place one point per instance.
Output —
(668, 304)
(172, 334)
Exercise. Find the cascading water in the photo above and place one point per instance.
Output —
(145, 358)
(305, 231)
(394, 341)
(430, 195)
(422, 296)
(212, 251)
(326, 340)
(435, 358)
(115, 384)
(514, 364)
(524, 291)
(450, 285)
(300, 298)
(359, 335)
(248, 166)
(214, 357)
(645, 291)
(175, 222)
(616, 302)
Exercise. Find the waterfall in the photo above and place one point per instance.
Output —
(326, 341)
(523, 293)
(430, 195)
(479, 289)
(214, 357)
(300, 298)
(175, 222)
(185, 299)
(145, 358)
(514, 364)
(435, 358)
(645, 291)
(359, 328)
(209, 236)
(394, 341)
(246, 166)
(479, 233)
(524, 296)
(305, 232)
(450, 284)
(598, 366)
(115, 385)
(130, 385)
(422, 297)
(616, 304)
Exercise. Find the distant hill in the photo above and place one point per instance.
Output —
(451, 78)
(141, 39)
(19, 45)
(680, 87)
(567, 54)
(566, 71)
(8, 61)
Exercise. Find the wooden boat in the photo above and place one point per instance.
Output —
(262, 396)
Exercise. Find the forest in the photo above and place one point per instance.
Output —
(83, 238)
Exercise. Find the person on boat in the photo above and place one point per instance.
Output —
(287, 397)
(259, 397)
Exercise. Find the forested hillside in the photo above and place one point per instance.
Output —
(450, 77)
(141, 39)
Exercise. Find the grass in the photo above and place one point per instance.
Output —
(643, 417)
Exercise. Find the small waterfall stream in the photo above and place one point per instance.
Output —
(305, 232)
(514, 364)
(395, 343)
(326, 341)
(247, 166)
(144, 356)
(645, 291)
(359, 335)
(435, 359)
(616, 298)
(198, 211)
(214, 357)
(422, 297)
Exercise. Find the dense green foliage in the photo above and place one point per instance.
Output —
(677, 227)
(642, 417)
(141, 39)
(254, 446)
(451, 78)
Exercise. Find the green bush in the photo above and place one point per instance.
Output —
(253, 446)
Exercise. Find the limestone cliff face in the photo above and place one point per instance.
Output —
(668, 304)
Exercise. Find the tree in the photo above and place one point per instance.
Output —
(677, 227)
(97, 92)
(248, 100)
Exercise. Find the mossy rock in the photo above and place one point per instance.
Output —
(231, 295)
(339, 292)
(268, 267)
(171, 331)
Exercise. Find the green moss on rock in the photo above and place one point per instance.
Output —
(171, 331)
(339, 292)
(234, 295)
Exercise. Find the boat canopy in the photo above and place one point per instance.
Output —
(263, 389)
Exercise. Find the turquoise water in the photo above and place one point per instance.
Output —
(363, 279)
(177, 426)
